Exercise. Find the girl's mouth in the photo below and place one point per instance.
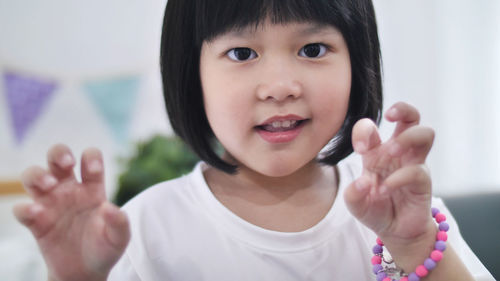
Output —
(281, 131)
(281, 126)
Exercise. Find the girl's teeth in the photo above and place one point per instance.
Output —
(283, 124)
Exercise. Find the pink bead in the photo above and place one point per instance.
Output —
(380, 242)
(442, 236)
(440, 217)
(387, 279)
(421, 271)
(404, 279)
(436, 255)
(376, 260)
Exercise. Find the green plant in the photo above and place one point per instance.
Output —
(155, 160)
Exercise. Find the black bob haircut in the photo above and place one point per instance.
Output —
(188, 23)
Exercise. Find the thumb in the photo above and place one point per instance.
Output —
(117, 229)
(365, 136)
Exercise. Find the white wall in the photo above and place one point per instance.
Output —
(72, 42)
(444, 57)
(441, 56)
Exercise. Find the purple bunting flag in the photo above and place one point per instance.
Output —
(26, 99)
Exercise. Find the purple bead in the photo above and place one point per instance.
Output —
(429, 264)
(377, 267)
(443, 226)
(440, 245)
(381, 276)
(435, 211)
(377, 249)
(413, 277)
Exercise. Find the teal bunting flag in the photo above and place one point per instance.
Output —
(114, 100)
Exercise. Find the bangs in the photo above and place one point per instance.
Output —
(216, 17)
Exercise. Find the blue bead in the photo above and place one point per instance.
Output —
(413, 277)
(443, 226)
(377, 249)
(381, 276)
(377, 267)
(429, 264)
(435, 211)
(440, 245)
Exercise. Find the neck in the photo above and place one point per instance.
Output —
(292, 203)
(310, 181)
(304, 178)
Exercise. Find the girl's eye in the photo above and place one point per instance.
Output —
(314, 50)
(241, 54)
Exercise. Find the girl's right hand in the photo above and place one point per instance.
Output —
(80, 234)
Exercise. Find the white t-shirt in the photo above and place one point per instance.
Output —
(181, 232)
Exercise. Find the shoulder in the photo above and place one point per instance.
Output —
(166, 207)
(163, 218)
(164, 193)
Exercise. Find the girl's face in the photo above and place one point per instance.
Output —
(275, 95)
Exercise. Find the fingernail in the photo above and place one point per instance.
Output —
(66, 161)
(395, 149)
(373, 135)
(48, 182)
(393, 112)
(35, 210)
(95, 167)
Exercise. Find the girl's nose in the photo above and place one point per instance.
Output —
(279, 89)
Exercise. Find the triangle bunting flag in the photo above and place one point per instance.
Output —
(114, 99)
(27, 97)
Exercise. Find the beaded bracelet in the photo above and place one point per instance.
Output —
(385, 273)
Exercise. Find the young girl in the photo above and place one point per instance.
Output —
(288, 88)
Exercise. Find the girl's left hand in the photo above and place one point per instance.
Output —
(393, 194)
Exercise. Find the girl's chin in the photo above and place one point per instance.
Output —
(272, 168)
(279, 169)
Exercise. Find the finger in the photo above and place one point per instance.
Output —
(92, 167)
(406, 115)
(25, 213)
(33, 216)
(365, 136)
(416, 177)
(61, 162)
(38, 181)
(117, 229)
(356, 194)
(417, 140)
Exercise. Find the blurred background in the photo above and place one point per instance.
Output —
(85, 73)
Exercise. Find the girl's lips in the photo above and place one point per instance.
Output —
(280, 136)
